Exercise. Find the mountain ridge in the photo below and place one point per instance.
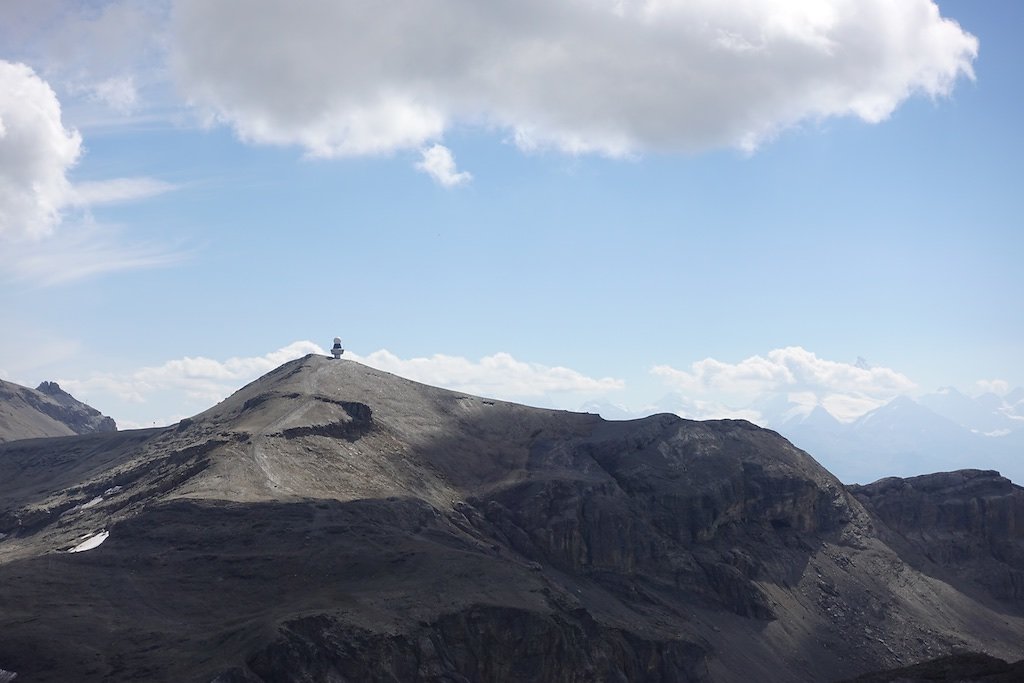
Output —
(333, 520)
(46, 411)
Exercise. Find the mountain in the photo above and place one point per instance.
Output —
(45, 411)
(985, 414)
(818, 418)
(906, 425)
(817, 422)
(961, 527)
(334, 522)
(906, 438)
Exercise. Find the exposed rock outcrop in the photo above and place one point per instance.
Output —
(970, 522)
(81, 418)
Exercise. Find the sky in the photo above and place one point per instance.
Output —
(558, 203)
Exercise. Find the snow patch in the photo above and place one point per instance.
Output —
(93, 541)
(92, 503)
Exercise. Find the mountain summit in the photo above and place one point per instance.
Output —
(45, 411)
(334, 522)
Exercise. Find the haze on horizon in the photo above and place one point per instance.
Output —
(561, 204)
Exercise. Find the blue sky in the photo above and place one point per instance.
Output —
(842, 189)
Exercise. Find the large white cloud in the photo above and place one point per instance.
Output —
(847, 390)
(92, 193)
(86, 251)
(36, 152)
(611, 76)
(789, 369)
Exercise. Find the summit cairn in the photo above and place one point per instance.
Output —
(337, 349)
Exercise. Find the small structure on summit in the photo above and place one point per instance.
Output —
(337, 350)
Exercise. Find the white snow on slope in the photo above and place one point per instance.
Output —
(91, 542)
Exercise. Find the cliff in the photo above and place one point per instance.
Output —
(966, 525)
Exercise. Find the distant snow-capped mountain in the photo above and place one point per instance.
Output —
(906, 437)
(986, 414)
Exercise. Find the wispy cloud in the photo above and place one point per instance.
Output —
(117, 92)
(95, 192)
(86, 251)
(26, 348)
(103, 51)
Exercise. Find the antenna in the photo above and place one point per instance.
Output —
(337, 349)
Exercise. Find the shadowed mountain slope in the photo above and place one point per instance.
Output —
(333, 522)
(958, 668)
(966, 527)
(45, 411)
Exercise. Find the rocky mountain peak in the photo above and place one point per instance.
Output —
(52, 389)
(45, 411)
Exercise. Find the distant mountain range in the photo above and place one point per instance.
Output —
(46, 411)
(945, 430)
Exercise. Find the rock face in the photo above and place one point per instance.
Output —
(330, 522)
(46, 411)
(968, 523)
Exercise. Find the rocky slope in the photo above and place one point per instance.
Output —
(966, 526)
(332, 522)
(46, 411)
